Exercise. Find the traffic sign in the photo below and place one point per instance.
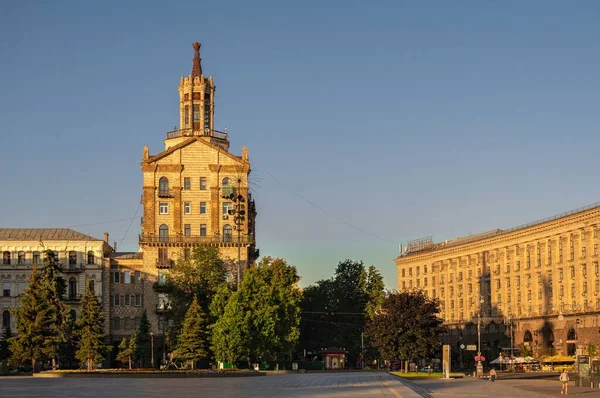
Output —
(462, 346)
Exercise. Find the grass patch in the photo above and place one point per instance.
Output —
(424, 376)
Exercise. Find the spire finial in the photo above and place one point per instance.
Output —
(197, 68)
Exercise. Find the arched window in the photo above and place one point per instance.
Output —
(92, 285)
(6, 319)
(572, 335)
(72, 257)
(21, 258)
(90, 257)
(163, 185)
(6, 258)
(163, 233)
(73, 314)
(527, 337)
(227, 233)
(225, 181)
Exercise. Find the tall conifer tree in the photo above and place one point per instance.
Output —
(90, 347)
(35, 339)
(191, 345)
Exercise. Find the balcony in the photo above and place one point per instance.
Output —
(73, 268)
(195, 239)
(163, 308)
(165, 193)
(190, 132)
(164, 263)
(73, 298)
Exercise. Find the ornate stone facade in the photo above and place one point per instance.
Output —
(543, 279)
(82, 257)
(194, 191)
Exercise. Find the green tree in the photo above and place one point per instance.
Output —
(525, 350)
(261, 318)
(126, 350)
(336, 310)
(142, 341)
(90, 347)
(592, 350)
(55, 287)
(230, 332)
(35, 339)
(407, 326)
(191, 344)
(4, 346)
(199, 276)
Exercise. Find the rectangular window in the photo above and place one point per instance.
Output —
(572, 271)
(138, 300)
(202, 207)
(403, 273)
(21, 258)
(417, 269)
(116, 323)
(126, 277)
(595, 249)
(583, 252)
(127, 323)
(187, 229)
(403, 284)
(6, 288)
(584, 288)
(597, 286)
(116, 277)
(202, 229)
(187, 208)
(584, 270)
(116, 300)
(136, 322)
(425, 282)
(163, 208)
(187, 183)
(186, 116)
(127, 300)
(137, 276)
(226, 207)
(196, 113)
(36, 258)
(572, 250)
(518, 266)
(596, 270)
(202, 183)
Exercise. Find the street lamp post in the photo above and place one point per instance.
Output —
(239, 214)
(479, 366)
(152, 348)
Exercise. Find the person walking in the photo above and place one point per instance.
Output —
(493, 375)
(564, 379)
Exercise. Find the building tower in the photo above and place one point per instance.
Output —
(195, 191)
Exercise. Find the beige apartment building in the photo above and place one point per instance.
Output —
(81, 256)
(540, 280)
(194, 192)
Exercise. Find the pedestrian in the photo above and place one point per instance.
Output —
(493, 375)
(564, 379)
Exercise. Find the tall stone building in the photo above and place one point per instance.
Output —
(81, 256)
(540, 280)
(194, 192)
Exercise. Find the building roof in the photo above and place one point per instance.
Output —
(496, 232)
(16, 234)
(189, 141)
(127, 255)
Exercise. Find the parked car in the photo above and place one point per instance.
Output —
(425, 369)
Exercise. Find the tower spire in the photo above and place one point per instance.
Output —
(197, 68)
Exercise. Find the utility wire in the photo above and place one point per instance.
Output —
(103, 222)
(131, 222)
(322, 209)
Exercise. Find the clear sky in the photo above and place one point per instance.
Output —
(402, 119)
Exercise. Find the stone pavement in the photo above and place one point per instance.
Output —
(326, 385)
(514, 388)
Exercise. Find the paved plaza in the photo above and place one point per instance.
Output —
(327, 385)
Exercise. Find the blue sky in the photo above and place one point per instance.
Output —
(403, 119)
